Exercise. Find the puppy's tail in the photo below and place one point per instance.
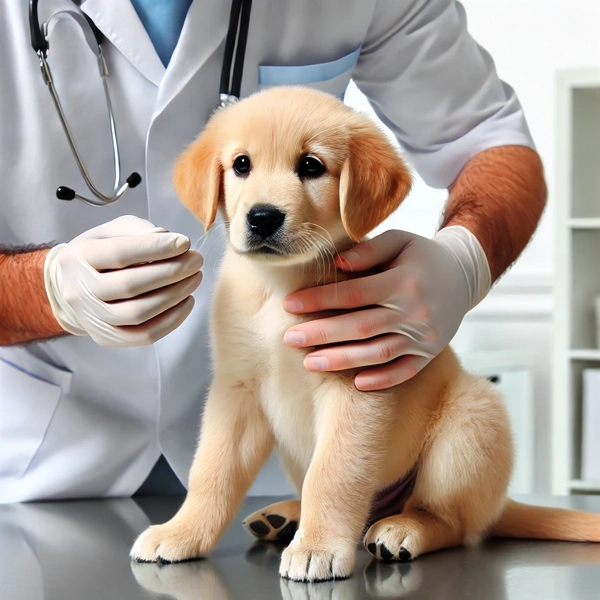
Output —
(540, 523)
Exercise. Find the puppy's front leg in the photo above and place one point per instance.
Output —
(234, 443)
(352, 432)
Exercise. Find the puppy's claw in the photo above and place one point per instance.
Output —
(390, 542)
(300, 562)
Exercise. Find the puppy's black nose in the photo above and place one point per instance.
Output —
(264, 220)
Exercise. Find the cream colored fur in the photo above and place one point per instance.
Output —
(338, 445)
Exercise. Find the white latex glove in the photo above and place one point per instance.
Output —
(410, 308)
(123, 283)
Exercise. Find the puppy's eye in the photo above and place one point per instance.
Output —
(310, 167)
(241, 164)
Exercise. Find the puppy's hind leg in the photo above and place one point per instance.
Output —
(462, 480)
(278, 522)
(274, 523)
(234, 443)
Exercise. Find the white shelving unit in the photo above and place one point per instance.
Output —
(578, 268)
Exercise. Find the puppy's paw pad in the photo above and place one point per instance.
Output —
(259, 528)
(300, 562)
(277, 522)
(167, 543)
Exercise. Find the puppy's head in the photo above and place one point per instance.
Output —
(295, 171)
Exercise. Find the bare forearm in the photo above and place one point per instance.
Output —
(25, 313)
(499, 196)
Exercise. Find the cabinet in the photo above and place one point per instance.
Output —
(511, 373)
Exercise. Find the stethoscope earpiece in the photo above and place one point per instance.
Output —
(66, 193)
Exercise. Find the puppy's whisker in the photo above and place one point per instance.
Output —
(308, 244)
(210, 236)
(328, 236)
(214, 243)
(327, 244)
(215, 237)
(326, 262)
(327, 255)
(305, 246)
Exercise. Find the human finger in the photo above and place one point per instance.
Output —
(148, 332)
(374, 351)
(389, 375)
(377, 251)
(125, 251)
(122, 284)
(354, 293)
(138, 310)
(356, 325)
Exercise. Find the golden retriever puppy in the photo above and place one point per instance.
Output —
(422, 466)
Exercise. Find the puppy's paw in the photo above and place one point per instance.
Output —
(169, 543)
(303, 561)
(392, 540)
(276, 522)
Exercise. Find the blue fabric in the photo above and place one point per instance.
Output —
(271, 75)
(163, 21)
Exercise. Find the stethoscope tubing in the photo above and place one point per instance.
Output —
(229, 89)
(39, 42)
(235, 42)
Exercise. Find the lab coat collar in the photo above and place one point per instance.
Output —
(204, 30)
(119, 22)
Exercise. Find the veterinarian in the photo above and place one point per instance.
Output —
(104, 357)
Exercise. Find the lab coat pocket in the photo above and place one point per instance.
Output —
(332, 77)
(30, 390)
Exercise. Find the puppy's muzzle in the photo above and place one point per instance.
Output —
(264, 220)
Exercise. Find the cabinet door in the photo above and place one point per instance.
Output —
(517, 390)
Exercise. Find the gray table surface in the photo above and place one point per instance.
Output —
(79, 550)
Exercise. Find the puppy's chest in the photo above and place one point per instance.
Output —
(284, 387)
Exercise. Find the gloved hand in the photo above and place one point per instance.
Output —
(123, 283)
(409, 310)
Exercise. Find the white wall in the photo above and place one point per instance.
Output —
(530, 40)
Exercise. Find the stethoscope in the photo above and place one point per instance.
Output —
(229, 89)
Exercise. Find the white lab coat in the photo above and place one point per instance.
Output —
(79, 420)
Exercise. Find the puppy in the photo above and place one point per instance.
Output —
(419, 467)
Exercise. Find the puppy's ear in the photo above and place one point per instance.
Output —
(373, 182)
(198, 177)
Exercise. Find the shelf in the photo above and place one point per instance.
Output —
(585, 354)
(577, 259)
(584, 486)
(589, 223)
